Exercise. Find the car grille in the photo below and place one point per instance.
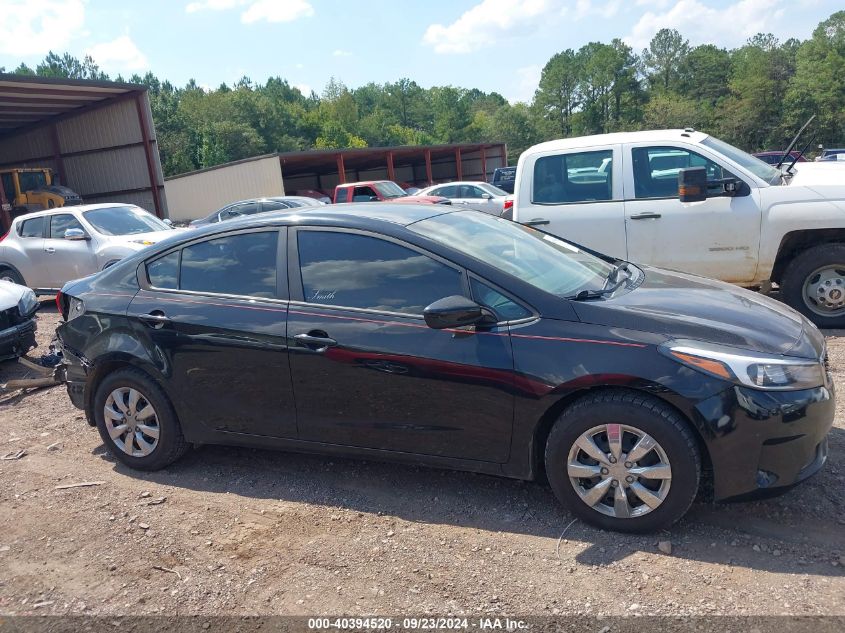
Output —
(10, 317)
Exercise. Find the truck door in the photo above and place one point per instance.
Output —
(718, 237)
(577, 195)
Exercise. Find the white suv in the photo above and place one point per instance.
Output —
(44, 250)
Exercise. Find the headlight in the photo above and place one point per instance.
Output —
(751, 369)
(28, 303)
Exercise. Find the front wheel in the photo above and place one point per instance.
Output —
(623, 461)
(814, 284)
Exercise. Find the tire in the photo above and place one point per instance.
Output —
(803, 269)
(10, 274)
(51, 204)
(116, 388)
(645, 414)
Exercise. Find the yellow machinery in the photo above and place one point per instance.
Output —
(31, 189)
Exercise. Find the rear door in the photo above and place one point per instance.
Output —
(67, 259)
(577, 194)
(718, 237)
(216, 312)
(368, 372)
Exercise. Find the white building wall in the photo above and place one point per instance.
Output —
(197, 194)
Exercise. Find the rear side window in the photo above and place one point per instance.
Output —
(33, 227)
(242, 264)
(164, 271)
(358, 271)
(578, 177)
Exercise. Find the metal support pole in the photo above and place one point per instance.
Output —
(145, 135)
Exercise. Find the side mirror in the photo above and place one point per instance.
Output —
(168, 222)
(373, 198)
(692, 184)
(456, 311)
(76, 235)
(487, 196)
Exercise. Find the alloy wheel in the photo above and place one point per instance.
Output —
(131, 422)
(619, 470)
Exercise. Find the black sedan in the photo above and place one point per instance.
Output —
(455, 339)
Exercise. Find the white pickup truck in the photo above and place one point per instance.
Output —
(744, 222)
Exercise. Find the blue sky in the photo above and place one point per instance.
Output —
(496, 45)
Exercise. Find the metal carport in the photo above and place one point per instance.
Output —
(97, 135)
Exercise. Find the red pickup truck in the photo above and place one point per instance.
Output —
(381, 191)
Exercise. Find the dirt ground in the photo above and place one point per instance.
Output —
(238, 531)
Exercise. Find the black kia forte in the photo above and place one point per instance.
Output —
(454, 339)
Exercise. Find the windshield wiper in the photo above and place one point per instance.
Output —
(613, 278)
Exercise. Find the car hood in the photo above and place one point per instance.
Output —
(140, 240)
(822, 173)
(10, 294)
(683, 306)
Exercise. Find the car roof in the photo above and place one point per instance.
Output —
(459, 182)
(361, 183)
(617, 138)
(78, 207)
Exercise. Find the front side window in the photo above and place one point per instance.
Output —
(576, 177)
(358, 271)
(128, 220)
(60, 223)
(542, 260)
(656, 170)
(242, 264)
(506, 309)
(363, 194)
(33, 227)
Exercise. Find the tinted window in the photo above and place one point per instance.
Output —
(656, 170)
(450, 191)
(59, 224)
(237, 210)
(33, 227)
(357, 271)
(236, 264)
(275, 205)
(32, 180)
(9, 187)
(506, 309)
(164, 271)
(580, 177)
(363, 194)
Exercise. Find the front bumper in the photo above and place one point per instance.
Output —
(762, 443)
(17, 340)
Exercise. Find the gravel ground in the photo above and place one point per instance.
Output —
(237, 531)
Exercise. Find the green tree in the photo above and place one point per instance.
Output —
(558, 95)
(663, 58)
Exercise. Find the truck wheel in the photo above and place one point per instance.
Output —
(814, 284)
(11, 275)
(51, 204)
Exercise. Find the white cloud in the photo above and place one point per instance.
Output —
(696, 20)
(527, 80)
(34, 27)
(487, 23)
(119, 55)
(341, 53)
(257, 10)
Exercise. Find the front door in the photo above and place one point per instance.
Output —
(718, 237)
(217, 315)
(366, 369)
(67, 259)
(577, 194)
(31, 233)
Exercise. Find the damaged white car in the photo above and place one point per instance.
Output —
(18, 306)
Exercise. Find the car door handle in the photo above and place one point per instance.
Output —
(49, 249)
(155, 319)
(646, 216)
(316, 341)
(537, 222)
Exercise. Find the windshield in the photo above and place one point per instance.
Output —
(390, 189)
(493, 190)
(124, 221)
(542, 260)
(32, 180)
(756, 166)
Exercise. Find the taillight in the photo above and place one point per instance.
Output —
(508, 203)
(59, 304)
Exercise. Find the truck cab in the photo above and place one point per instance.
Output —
(23, 190)
(379, 191)
(753, 225)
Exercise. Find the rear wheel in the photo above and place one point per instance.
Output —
(623, 461)
(814, 284)
(11, 275)
(137, 422)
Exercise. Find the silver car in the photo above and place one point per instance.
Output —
(476, 194)
(44, 250)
